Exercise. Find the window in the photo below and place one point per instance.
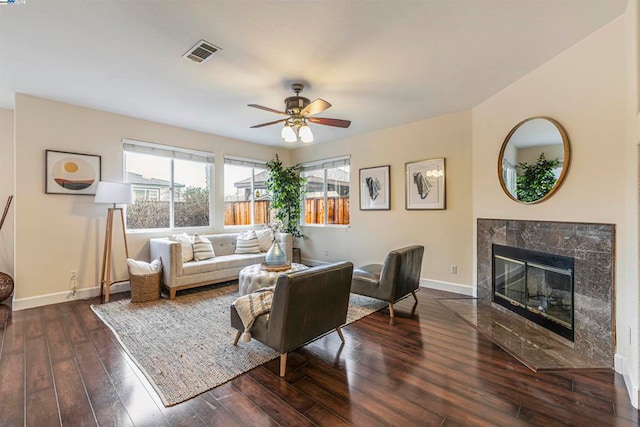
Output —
(327, 197)
(246, 199)
(171, 186)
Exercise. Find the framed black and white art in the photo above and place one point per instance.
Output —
(424, 184)
(374, 189)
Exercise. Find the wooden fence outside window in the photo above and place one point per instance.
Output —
(239, 213)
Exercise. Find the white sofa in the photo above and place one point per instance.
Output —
(225, 266)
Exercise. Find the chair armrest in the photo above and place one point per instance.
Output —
(171, 255)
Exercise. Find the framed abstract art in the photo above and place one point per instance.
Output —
(374, 188)
(425, 184)
(71, 173)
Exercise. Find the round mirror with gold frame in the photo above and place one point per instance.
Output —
(534, 160)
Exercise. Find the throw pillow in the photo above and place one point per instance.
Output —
(141, 268)
(247, 243)
(202, 248)
(265, 239)
(187, 248)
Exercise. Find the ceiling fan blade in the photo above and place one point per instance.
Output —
(330, 122)
(267, 109)
(270, 123)
(317, 106)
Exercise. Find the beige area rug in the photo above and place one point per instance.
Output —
(184, 347)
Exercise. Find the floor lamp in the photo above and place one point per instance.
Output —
(115, 193)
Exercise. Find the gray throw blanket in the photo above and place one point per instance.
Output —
(250, 306)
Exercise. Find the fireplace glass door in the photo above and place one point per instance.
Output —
(542, 293)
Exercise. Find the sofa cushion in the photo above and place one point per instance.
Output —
(248, 243)
(185, 242)
(220, 263)
(202, 248)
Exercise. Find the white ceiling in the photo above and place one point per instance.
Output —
(380, 63)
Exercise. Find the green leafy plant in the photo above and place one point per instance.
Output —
(536, 180)
(286, 187)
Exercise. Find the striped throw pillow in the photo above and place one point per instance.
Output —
(202, 248)
(247, 243)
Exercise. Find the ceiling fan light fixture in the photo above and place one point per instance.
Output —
(288, 134)
(299, 111)
(305, 133)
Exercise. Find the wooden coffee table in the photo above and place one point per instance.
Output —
(253, 277)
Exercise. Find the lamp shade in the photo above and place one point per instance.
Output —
(305, 133)
(117, 193)
(289, 134)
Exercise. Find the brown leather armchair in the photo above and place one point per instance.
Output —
(306, 304)
(397, 277)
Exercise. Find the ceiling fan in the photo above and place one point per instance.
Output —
(299, 109)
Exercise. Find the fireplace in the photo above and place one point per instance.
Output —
(592, 248)
(535, 285)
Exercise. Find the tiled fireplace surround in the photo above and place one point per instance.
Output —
(593, 248)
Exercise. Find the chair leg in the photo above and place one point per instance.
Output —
(172, 293)
(235, 340)
(283, 364)
(415, 297)
(391, 313)
(339, 331)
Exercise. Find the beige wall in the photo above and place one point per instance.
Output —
(585, 89)
(446, 234)
(59, 233)
(6, 189)
(628, 293)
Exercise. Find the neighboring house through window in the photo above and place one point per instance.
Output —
(171, 186)
(246, 199)
(327, 198)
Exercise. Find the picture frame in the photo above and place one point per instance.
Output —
(72, 173)
(425, 184)
(375, 188)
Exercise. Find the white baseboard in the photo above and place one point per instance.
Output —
(456, 288)
(620, 365)
(425, 283)
(82, 293)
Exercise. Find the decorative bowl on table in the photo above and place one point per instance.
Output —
(275, 268)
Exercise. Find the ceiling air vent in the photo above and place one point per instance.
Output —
(201, 52)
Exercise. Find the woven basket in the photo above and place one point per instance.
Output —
(145, 287)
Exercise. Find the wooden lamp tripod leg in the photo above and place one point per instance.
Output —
(107, 256)
(105, 278)
(124, 233)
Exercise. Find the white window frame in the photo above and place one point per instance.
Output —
(173, 153)
(250, 163)
(324, 165)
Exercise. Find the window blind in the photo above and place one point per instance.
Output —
(167, 151)
(239, 161)
(326, 163)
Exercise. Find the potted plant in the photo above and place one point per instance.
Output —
(537, 179)
(286, 187)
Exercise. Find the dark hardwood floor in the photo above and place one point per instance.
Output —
(59, 365)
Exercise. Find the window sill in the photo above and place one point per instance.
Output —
(326, 225)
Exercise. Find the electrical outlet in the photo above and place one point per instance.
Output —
(326, 252)
(454, 269)
(73, 274)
